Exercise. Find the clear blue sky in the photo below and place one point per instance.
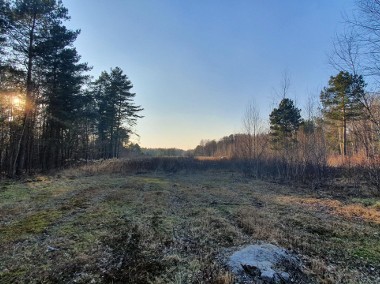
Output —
(196, 64)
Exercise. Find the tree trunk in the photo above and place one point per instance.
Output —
(22, 145)
(344, 133)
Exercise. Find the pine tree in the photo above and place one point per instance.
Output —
(342, 103)
(4, 23)
(62, 80)
(117, 112)
(284, 123)
(28, 22)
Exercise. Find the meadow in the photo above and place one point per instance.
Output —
(106, 223)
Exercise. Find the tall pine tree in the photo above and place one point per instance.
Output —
(117, 112)
(29, 20)
(62, 80)
(342, 103)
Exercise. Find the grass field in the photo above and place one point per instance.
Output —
(156, 227)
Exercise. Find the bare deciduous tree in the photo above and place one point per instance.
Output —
(345, 55)
(252, 126)
(357, 49)
(285, 85)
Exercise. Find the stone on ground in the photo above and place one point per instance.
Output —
(262, 262)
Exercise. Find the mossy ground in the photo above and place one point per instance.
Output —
(172, 228)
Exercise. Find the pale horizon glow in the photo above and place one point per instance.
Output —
(195, 65)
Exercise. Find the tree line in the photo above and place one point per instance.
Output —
(341, 130)
(343, 127)
(52, 112)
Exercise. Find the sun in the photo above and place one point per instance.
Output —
(17, 101)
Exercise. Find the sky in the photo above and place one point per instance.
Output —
(196, 65)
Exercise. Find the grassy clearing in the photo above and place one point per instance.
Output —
(175, 228)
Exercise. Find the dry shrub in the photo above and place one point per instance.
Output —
(372, 174)
(150, 164)
(357, 170)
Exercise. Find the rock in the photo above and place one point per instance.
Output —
(261, 262)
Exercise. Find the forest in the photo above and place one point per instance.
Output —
(52, 113)
(339, 137)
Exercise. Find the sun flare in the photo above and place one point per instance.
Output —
(17, 101)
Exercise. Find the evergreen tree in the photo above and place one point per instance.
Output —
(58, 119)
(5, 68)
(62, 82)
(284, 123)
(4, 10)
(28, 22)
(341, 102)
(117, 112)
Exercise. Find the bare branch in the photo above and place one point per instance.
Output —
(346, 52)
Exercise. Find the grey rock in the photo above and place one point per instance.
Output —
(259, 262)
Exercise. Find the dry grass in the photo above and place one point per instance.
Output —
(351, 210)
(208, 158)
(87, 226)
(353, 160)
